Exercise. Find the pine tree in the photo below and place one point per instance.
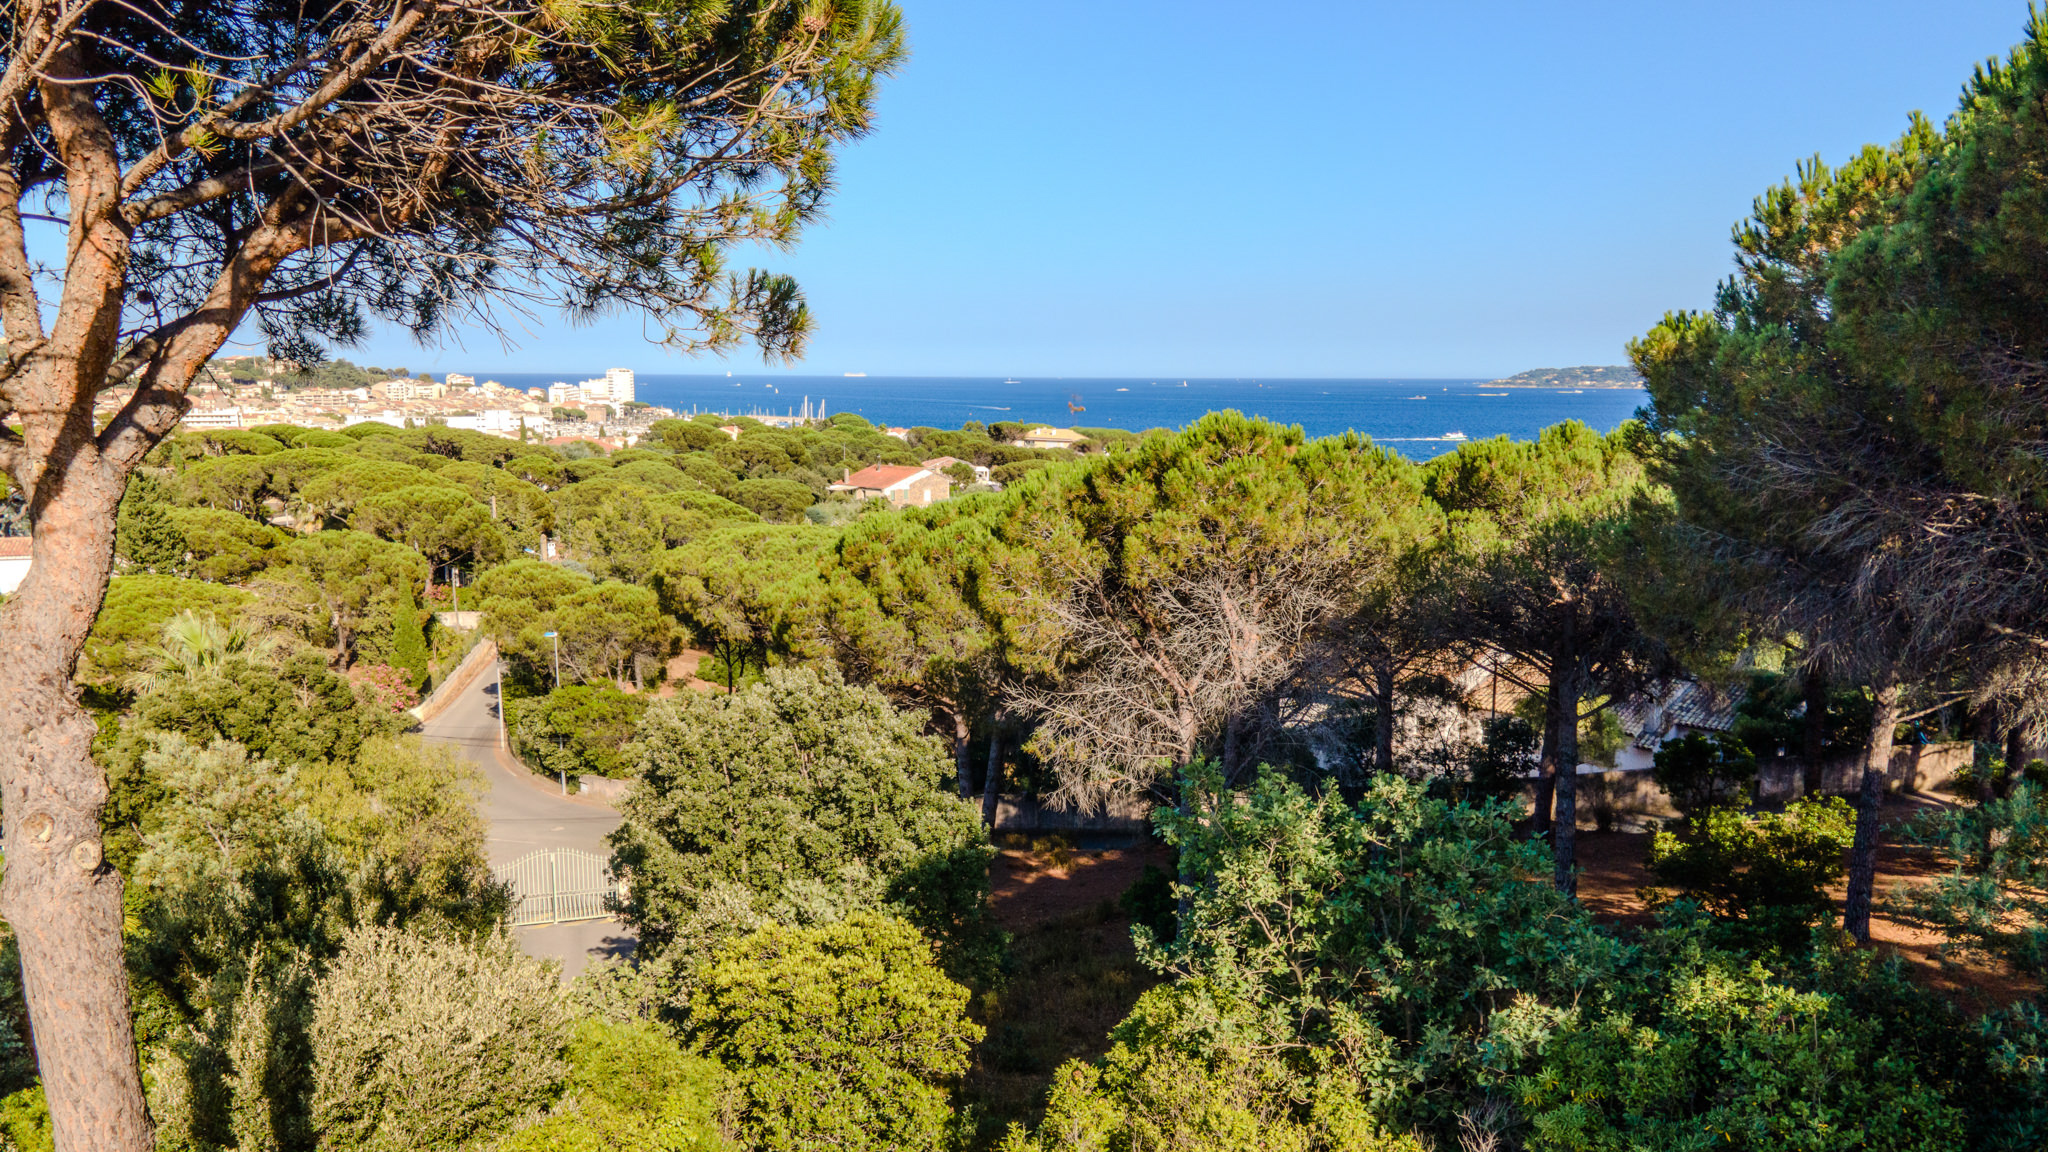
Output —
(408, 641)
(144, 533)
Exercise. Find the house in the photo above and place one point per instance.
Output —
(1049, 438)
(899, 433)
(14, 562)
(732, 430)
(1678, 709)
(941, 463)
(899, 484)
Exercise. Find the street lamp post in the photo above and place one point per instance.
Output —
(557, 639)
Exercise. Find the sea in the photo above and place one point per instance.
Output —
(1418, 418)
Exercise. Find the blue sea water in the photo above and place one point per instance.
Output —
(1409, 416)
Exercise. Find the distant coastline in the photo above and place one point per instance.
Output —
(1586, 376)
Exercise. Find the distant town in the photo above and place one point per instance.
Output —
(244, 392)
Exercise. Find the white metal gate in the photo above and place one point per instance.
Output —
(558, 885)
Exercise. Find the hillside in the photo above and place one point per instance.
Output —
(1588, 376)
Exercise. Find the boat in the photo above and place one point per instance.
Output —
(1491, 393)
(1411, 397)
(1453, 436)
(855, 373)
(1569, 391)
(1123, 389)
(1013, 381)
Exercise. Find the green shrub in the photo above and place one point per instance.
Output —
(1700, 772)
(581, 729)
(631, 1089)
(423, 1044)
(844, 1036)
(1723, 1055)
(25, 1121)
(1768, 871)
(799, 800)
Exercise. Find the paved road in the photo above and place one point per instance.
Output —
(526, 812)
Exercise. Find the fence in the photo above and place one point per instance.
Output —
(558, 885)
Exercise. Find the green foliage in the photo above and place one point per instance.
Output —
(422, 1044)
(298, 712)
(1994, 898)
(223, 547)
(356, 578)
(774, 500)
(631, 1089)
(144, 533)
(1701, 772)
(408, 812)
(408, 639)
(843, 1035)
(1769, 872)
(1506, 754)
(800, 800)
(1724, 1055)
(519, 601)
(1391, 962)
(25, 1121)
(131, 621)
(611, 631)
(1184, 1074)
(579, 730)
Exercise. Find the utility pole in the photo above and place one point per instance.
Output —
(556, 637)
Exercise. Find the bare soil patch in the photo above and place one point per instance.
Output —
(1612, 877)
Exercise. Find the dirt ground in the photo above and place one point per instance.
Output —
(1031, 889)
(1612, 879)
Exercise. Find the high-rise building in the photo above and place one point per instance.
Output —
(619, 383)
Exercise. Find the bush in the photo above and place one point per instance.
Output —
(799, 800)
(1723, 1054)
(631, 1089)
(1183, 1074)
(1700, 772)
(431, 1044)
(1770, 872)
(583, 730)
(845, 1036)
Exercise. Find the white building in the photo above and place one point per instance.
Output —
(619, 385)
(14, 561)
(458, 380)
(615, 387)
(391, 416)
(500, 422)
(564, 395)
(213, 418)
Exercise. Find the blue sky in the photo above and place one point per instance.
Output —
(1341, 189)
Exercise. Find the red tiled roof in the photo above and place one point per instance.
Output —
(881, 476)
(938, 462)
(11, 546)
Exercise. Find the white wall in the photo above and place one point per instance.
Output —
(13, 570)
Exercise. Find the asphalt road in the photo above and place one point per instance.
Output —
(525, 812)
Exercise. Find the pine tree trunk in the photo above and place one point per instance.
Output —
(62, 899)
(1863, 853)
(1813, 748)
(992, 780)
(1383, 719)
(963, 769)
(1546, 764)
(2015, 758)
(1564, 833)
